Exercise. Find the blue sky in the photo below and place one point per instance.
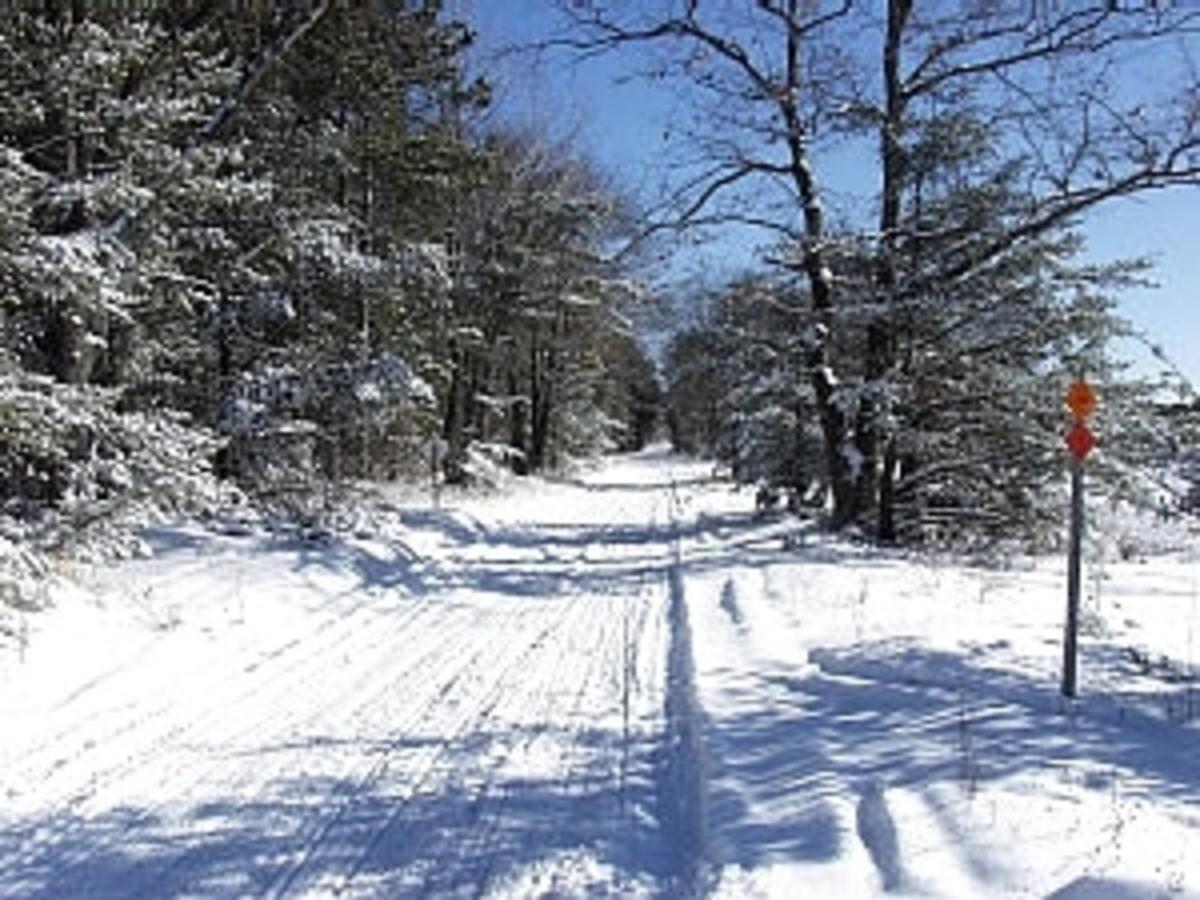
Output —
(619, 123)
(1164, 226)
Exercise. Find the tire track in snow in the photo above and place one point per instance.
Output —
(133, 762)
(466, 853)
(104, 679)
(613, 654)
(635, 685)
(137, 716)
(476, 852)
(254, 784)
(680, 777)
(158, 583)
(419, 778)
(207, 722)
(258, 775)
(471, 687)
(573, 751)
(178, 718)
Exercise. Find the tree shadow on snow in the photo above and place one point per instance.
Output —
(547, 559)
(378, 564)
(544, 560)
(896, 714)
(641, 487)
(557, 536)
(461, 826)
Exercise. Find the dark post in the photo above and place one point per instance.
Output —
(1074, 566)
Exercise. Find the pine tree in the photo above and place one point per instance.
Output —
(534, 306)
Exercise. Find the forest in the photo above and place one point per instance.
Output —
(263, 254)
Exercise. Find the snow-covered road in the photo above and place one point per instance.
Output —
(454, 709)
(623, 686)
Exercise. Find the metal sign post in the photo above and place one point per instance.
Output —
(1074, 577)
(1082, 402)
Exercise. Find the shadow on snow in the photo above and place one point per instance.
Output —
(895, 714)
(872, 717)
(385, 838)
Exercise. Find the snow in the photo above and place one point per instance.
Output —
(624, 684)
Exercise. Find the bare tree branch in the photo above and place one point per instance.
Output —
(1080, 33)
(1061, 209)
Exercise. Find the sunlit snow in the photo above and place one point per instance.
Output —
(622, 685)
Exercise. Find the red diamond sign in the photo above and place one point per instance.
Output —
(1080, 440)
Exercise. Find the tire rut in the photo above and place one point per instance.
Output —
(429, 757)
(159, 747)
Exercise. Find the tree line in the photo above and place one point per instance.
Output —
(279, 244)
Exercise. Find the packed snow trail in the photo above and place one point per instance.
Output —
(625, 686)
(460, 707)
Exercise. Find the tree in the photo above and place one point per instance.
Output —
(534, 314)
(89, 133)
(196, 235)
(630, 393)
(735, 391)
(343, 294)
(786, 84)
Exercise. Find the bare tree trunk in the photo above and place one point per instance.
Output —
(538, 404)
(453, 422)
(518, 436)
(881, 332)
(843, 472)
(544, 370)
(66, 330)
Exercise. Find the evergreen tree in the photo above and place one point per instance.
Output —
(313, 267)
(535, 307)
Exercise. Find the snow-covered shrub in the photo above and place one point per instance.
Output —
(1188, 490)
(767, 442)
(79, 475)
(489, 465)
(586, 430)
(22, 574)
(290, 428)
(1122, 530)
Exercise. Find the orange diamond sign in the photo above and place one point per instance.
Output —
(1081, 400)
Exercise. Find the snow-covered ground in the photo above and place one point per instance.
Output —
(624, 686)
